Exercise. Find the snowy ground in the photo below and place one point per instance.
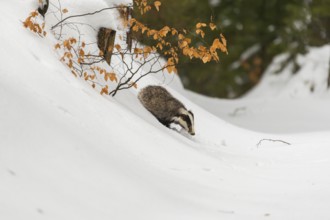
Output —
(67, 152)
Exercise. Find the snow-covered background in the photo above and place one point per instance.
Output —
(66, 152)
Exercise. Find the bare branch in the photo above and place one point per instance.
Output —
(86, 14)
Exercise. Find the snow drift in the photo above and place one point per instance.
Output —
(66, 152)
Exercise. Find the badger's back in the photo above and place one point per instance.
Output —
(159, 102)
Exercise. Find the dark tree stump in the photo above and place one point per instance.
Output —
(105, 42)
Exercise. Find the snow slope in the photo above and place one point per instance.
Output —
(67, 152)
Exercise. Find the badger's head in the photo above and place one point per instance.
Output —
(186, 120)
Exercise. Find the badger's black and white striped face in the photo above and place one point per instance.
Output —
(186, 120)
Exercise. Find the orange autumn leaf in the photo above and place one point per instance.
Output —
(105, 90)
(207, 58)
(81, 53)
(57, 46)
(163, 32)
(199, 25)
(223, 39)
(174, 31)
(200, 32)
(212, 26)
(67, 44)
(113, 77)
(34, 14)
(157, 5)
(170, 66)
(110, 76)
(133, 84)
(118, 47)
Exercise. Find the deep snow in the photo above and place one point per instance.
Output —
(66, 152)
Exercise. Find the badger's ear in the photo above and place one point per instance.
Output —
(192, 114)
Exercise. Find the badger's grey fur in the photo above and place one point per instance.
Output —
(166, 108)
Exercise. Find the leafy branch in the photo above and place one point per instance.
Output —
(136, 62)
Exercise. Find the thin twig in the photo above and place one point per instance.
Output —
(86, 14)
(284, 142)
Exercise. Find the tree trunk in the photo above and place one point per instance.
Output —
(329, 75)
(129, 39)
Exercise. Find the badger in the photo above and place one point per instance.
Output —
(167, 109)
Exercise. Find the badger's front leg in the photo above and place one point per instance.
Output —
(165, 122)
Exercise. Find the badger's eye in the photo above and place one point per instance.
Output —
(186, 118)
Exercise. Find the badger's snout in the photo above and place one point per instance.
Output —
(191, 130)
